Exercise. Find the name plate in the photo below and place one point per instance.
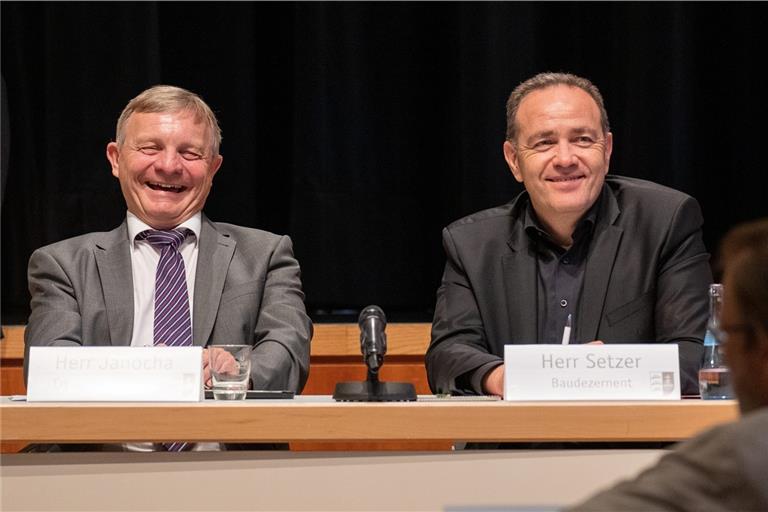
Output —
(115, 374)
(591, 372)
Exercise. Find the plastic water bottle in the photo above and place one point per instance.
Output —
(714, 375)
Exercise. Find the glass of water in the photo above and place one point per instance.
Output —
(230, 370)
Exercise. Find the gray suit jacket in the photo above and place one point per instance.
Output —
(247, 290)
(646, 279)
(722, 469)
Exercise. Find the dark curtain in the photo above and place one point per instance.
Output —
(361, 129)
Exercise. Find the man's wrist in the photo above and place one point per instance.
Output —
(482, 376)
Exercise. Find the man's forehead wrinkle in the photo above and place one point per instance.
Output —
(576, 130)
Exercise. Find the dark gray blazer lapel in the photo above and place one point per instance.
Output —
(213, 259)
(599, 268)
(113, 259)
(519, 270)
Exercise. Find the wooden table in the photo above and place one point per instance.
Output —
(319, 418)
(282, 480)
(321, 480)
(335, 357)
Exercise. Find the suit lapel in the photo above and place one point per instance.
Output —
(213, 259)
(113, 260)
(599, 268)
(519, 269)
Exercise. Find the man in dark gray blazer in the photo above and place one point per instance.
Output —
(243, 284)
(622, 258)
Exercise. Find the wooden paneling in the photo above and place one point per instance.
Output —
(335, 357)
(12, 380)
(11, 372)
(329, 340)
(403, 339)
(12, 344)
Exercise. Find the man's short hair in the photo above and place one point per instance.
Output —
(168, 98)
(744, 253)
(548, 79)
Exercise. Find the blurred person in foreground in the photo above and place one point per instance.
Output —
(724, 468)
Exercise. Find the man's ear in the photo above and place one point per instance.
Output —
(113, 155)
(608, 149)
(216, 164)
(511, 156)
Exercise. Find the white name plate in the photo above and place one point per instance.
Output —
(591, 372)
(115, 374)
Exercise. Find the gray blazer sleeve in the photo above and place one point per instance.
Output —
(283, 330)
(55, 317)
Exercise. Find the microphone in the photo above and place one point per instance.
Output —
(373, 339)
(373, 345)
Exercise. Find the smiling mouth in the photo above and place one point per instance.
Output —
(164, 187)
(565, 179)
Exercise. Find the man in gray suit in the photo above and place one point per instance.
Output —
(243, 285)
(724, 468)
(622, 258)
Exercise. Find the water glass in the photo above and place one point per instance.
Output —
(230, 370)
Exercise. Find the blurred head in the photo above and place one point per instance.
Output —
(744, 322)
(165, 155)
(558, 143)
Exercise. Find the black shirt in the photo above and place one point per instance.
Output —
(560, 274)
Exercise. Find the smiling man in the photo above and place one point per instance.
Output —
(622, 257)
(168, 275)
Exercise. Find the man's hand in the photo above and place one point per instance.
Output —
(493, 382)
(219, 360)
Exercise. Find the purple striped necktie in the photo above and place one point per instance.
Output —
(172, 324)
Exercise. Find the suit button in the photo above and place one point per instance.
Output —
(563, 303)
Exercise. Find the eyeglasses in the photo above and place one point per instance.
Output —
(723, 332)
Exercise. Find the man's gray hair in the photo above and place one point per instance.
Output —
(542, 81)
(168, 98)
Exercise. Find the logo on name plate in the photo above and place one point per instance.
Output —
(662, 382)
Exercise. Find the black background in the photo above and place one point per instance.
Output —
(361, 129)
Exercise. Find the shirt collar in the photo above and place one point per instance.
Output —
(136, 226)
(586, 224)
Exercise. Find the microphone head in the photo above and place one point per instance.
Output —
(371, 311)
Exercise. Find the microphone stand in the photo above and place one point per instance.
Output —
(373, 345)
(374, 390)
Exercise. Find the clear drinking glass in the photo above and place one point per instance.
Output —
(230, 370)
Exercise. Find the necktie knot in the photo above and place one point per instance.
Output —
(162, 238)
